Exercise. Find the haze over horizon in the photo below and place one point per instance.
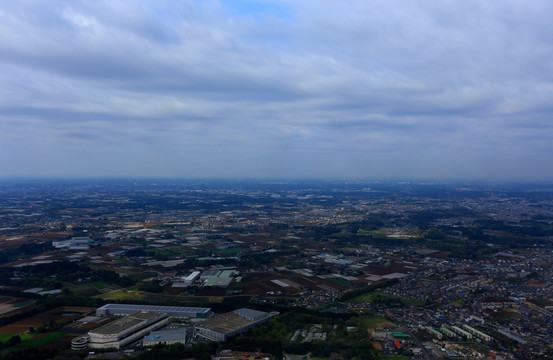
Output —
(276, 89)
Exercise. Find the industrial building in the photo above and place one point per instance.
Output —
(219, 281)
(126, 330)
(76, 244)
(217, 278)
(210, 274)
(166, 337)
(224, 326)
(178, 312)
(80, 342)
(189, 280)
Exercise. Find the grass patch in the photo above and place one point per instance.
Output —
(457, 303)
(123, 261)
(502, 315)
(231, 251)
(372, 321)
(168, 253)
(339, 281)
(5, 337)
(24, 303)
(363, 231)
(372, 296)
(104, 285)
(30, 340)
(472, 345)
(39, 341)
(84, 290)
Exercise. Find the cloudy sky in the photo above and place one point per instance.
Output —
(276, 89)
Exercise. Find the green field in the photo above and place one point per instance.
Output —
(158, 298)
(35, 341)
(84, 290)
(457, 303)
(372, 296)
(372, 321)
(168, 252)
(30, 340)
(231, 251)
(362, 231)
(339, 281)
(104, 285)
(5, 337)
(123, 261)
(24, 303)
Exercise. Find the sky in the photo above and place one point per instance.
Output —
(276, 89)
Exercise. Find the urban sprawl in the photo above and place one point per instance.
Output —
(275, 270)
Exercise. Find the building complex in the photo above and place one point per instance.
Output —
(221, 327)
(179, 312)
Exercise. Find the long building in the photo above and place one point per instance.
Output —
(126, 330)
(166, 337)
(221, 327)
(191, 278)
(434, 332)
(179, 312)
(477, 333)
(512, 336)
(462, 332)
(448, 332)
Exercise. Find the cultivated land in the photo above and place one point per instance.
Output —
(363, 260)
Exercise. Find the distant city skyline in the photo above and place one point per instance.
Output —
(275, 89)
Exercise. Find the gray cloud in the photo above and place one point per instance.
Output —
(276, 88)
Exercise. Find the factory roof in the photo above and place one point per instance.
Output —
(250, 314)
(209, 273)
(219, 281)
(225, 324)
(192, 276)
(227, 273)
(166, 335)
(127, 322)
(155, 308)
(231, 321)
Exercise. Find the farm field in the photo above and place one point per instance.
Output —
(184, 300)
(10, 305)
(60, 315)
(52, 340)
(372, 296)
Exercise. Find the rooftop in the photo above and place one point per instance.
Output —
(230, 322)
(135, 307)
(166, 335)
(127, 322)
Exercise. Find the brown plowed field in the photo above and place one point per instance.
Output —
(21, 326)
